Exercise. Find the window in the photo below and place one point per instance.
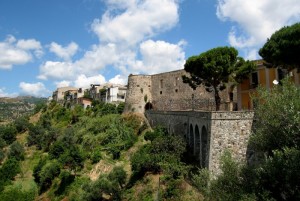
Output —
(231, 96)
(161, 84)
(176, 81)
(160, 92)
(176, 90)
(254, 80)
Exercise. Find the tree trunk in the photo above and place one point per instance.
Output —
(217, 98)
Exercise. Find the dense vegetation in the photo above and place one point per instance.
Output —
(99, 154)
(13, 108)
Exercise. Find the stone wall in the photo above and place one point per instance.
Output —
(138, 93)
(209, 134)
(167, 92)
(229, 131)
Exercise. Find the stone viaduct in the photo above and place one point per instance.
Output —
(167, 101)
(208, 134)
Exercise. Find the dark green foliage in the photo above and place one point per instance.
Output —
(214, 69)
(277, 118)
(118, 176)
(228, 185)
(21, 124)
(2, 155)
(172, 190)
(48, 172)
(16, 150)
(200, 179)
(15, 193)
(72, 158)
(35, 135)
(111, 185)
(96, 156)
(10, 168)
(280, 174)
(66, 179)
(8, 133)
(41, 106)
(56, 149)
(163, 154)
(120, 107)
(37, 170)
(2, 143)
(283, 48)
(152, 135)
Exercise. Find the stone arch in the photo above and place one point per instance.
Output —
(148, 106)
(204, 147)
(197, 143)
(191, 137)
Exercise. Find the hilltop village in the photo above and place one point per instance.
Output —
(166, 101)
(167, 92)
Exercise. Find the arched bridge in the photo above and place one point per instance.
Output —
(208, 134)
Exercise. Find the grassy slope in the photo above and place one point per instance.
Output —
(147, 187)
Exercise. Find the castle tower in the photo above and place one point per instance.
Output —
(138, 93)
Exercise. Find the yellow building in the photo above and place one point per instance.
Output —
(265, 77)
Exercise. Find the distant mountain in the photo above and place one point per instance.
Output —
(12, 108)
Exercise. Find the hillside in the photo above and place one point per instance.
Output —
(92, 154)
(13, 108)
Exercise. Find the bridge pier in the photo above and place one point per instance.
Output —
(208, 134)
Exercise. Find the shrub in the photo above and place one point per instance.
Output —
(48, 172)
(8, 133)
(17, 151)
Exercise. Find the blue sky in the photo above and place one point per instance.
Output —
(45, 44)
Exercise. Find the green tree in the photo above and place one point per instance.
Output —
(21, 124)
(277, 118)
(283, 48)
(8, 133)
(277, 137)
(17, 151)
(214, 68)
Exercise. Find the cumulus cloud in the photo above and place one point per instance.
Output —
(13, 52)
(84, 81)
(34, 89)
(118, 79)
(64, 83)
(140, 19)
(65, 53)
(56, 70)
(124, 31)
(256, 20)
(160, 56)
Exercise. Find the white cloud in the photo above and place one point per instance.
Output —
(160, 56)
(64, 83)
(257, 20)
(84, 81)
(56, 70)
(13, 52)
(122, 32)
(64, 52)
(118, 79)
(139, 20)
(30, 44)
(5, 94)
(35, 89)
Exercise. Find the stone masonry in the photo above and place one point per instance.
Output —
(208, 134)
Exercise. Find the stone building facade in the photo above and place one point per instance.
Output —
(167, 92)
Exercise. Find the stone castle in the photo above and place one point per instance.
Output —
(167, 92)
(167, 101)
